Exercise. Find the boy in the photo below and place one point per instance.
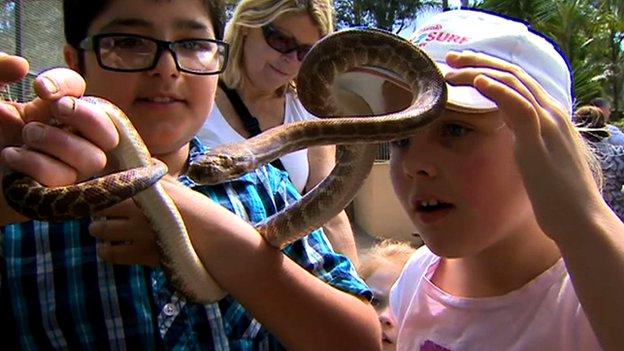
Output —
(60, 294)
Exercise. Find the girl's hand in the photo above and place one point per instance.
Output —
(550, 154)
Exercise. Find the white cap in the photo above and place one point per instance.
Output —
(496, 36)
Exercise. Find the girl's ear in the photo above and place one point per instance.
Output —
(71, 57)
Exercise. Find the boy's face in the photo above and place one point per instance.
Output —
(460, 185)
(166, 106)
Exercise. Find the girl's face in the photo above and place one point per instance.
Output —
(268, 69)
(458, 182)
(380, 282)
(165, 105)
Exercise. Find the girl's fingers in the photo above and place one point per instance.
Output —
(478, 60)
(519, 113)
(41, 167)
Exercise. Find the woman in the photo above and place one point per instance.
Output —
(269, 39)
(592, 123)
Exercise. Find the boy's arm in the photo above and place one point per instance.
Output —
(566, 202)
(301, 310)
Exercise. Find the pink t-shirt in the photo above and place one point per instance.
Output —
(545, 314)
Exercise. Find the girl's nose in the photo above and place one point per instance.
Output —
(385, 318)
(419, 160)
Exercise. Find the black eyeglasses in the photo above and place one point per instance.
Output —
(282, 43)
(134, 53)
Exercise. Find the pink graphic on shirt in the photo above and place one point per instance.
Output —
(432, 346)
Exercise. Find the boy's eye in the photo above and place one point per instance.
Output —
(130, 43)
(400, 143)
(196, 45)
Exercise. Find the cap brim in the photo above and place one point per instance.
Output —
(464, 98)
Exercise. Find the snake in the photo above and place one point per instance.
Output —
(365, 85)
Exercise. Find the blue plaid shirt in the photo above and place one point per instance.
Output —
(57, 294)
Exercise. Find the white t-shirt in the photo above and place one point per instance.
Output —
(216, 131)
(545, 314)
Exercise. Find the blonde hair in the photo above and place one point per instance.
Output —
(383, 253)
(258, 13)
(586, 150)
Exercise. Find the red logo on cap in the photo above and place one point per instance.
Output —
(432, 33)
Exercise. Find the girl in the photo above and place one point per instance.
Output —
(522, 253)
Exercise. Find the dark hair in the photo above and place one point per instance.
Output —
(79, 14)
(591, 123)
(601, 103)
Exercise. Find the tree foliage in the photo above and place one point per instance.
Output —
(589, 33)
(391, 15)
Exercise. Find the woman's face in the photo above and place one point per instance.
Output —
(268, 69)
(380, 282)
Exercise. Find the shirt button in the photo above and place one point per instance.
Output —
(170, 309)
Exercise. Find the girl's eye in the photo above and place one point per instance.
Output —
(375, 302)
(453, 130)
(400, 143)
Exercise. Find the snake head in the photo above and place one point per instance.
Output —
(215, 169)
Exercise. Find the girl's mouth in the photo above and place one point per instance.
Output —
(427, 206)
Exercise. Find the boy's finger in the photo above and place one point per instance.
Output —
(78, 153)
(121, 210)
(43, 168)
(11, 125)
(51, 86)
(58, 82)
(127, 254)
(12, 68)
(87, 120)
(110, 229)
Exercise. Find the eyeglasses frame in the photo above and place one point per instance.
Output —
(268, 29)
(92, 43)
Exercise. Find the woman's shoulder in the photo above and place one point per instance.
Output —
(294, 110)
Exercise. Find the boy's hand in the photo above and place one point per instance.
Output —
(55, 138)
(552, 162)
(127, 236)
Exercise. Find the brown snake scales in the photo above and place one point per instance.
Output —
(368, 86)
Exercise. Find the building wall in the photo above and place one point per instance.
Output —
(377, 210)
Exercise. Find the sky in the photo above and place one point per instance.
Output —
(423, 16)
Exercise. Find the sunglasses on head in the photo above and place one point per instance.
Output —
(282, 43)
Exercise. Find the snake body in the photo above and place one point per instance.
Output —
(355, 131)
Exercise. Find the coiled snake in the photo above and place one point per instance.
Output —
(368, 85)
